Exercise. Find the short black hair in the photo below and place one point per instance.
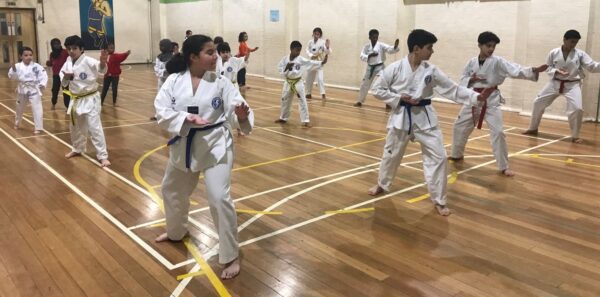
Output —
(295, 44)
(218, 40)
(572, 34)
(25, 49)
(373, 32)
(188, 32)
(174, 44)
(420, 38)
(488, 36)
(241, 36)
(223, 47)
(74, 40)
(317, 29)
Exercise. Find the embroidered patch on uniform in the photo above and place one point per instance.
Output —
(229, 69)
(216, 102)
(297, 67)
(82, 76)
(35, 70)
(428, 79)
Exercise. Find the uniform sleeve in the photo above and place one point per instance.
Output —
(158, 71)
(588, 64)
(238, 63)
(169, 119)
(382, 87)
(466, 76)
(449, 89)
(308, 52)
(234, 98)
(13, 74)
(309, 64)
(282, 65)
(550, 62)
(43, 76)
(364, 54)
(515, 70)
(390, 49)
(67, 67)
(94, 64)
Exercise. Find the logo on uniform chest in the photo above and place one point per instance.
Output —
(297, 67)
(82, 76)
(229, 69)
(428, 79)
(216, 102)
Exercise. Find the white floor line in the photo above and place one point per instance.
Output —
(93, 203)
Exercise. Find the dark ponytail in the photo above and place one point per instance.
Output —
(192, 45)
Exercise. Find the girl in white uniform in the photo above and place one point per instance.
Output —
(374, 54)
(195, 105)
(291, 67)
(79, 74)
(407, 86)
(317, 49)
(32, 79)
(566, 66)
(488, 72)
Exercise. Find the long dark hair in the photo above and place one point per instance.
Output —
(192, 45)
(55, 51)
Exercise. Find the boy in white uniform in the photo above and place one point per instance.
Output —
(228, 67)
(566, 65)
(317, 49)
(80, 74)
(32, 79)
(488, 72)
(195, 105)
(291, 67)
(374, 54)
(407, 86)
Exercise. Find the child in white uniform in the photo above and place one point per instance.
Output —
(291, 67)
(195, 105)
(317, 49)
(32, 79)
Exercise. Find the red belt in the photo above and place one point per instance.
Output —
(562, 84)
(479, 122)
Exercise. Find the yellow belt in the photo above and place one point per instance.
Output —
(292, 82)
(75, 98)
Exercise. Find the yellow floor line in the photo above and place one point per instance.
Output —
(350, 210)
(249, 211)
(212, 277)
(197, 273)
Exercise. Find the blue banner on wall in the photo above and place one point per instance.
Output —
(96, 22)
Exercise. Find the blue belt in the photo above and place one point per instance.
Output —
(408, 106)
(190, 137)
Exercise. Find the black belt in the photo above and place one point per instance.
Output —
(372, 69)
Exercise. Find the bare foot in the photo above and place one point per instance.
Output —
(375, 190)
(323, 97)
(456, 159)
(280, 121)
(104, 163)
(308, 97)
(153, 118)
(357, 104)
(443, 210)
(388, 107)
(72, 154)
(531, 132)
(164, 237)
(232, 269)
(37, 131)
(53, 107)
(577, 140)
(306, 125)
(240, 133)
(508, 172)
(16, 127)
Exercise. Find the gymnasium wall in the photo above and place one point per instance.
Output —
(131, 20)
(528, 30)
